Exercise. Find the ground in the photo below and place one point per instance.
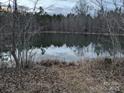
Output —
(60, 77)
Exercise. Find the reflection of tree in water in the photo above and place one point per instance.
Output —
(99, 43)
(93, 50)
(42, 51)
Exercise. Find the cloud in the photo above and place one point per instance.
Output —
(60, 6)
(52, 6)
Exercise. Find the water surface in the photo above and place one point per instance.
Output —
(74, 47)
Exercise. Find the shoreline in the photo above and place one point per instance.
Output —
(76, 33)
(81, 33)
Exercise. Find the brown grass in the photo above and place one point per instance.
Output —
(61, 77)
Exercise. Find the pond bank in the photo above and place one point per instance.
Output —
(88, 77)
(81, 33)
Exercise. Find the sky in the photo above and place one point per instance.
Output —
(50, 6)
(60, 6)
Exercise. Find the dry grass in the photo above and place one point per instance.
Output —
(59, 77)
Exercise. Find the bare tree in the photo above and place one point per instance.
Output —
(111, 23)
(14, 28)
(18, 27)
(82, 7)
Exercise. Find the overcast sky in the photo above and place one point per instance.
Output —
(50, 6)
(58, 6)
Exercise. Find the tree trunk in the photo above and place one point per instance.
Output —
(15, 58)
(13, 51)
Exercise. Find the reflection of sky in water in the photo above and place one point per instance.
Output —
(68, 54)
(60, 53)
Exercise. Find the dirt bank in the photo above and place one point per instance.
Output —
(88, 77)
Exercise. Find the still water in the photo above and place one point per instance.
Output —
(73, 47)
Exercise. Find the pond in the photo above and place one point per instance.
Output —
(74, 47)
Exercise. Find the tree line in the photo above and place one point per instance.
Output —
(81, 21)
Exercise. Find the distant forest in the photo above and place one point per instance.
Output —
(104, 21)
